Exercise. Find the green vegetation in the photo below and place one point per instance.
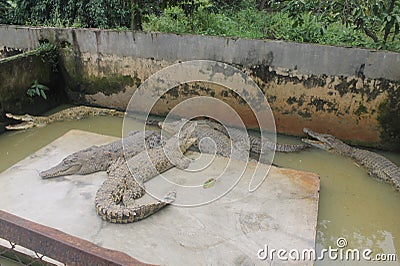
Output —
(364, 23)
(316, 21)
(37, 89)
(49, 54)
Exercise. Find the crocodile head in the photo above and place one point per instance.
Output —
(173, 127)
(25, 117)
(28, 121)
(70, 165)
(81, 162)
(321, 141)
(185, 136)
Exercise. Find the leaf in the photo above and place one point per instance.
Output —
(42, 87)
(37, 91)
(209, 183)
(43, 94)
(396, 29)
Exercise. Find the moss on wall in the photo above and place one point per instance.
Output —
(389, 119)
(108, 85)
(79, 81)
(17, 73)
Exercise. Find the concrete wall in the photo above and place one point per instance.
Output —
(17, 74)
(351, 93)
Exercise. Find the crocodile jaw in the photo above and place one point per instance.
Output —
(321, 141)
(28, 122)
(25, 117)
(316, 143)
(60, 170)
(186, 136)
(21, 126)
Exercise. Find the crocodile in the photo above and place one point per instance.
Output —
(239, 137)
(72, 113)
(375, 164)
(115, 199)
(100, 158)
(224, 146)
(256, 144)
(81, 112)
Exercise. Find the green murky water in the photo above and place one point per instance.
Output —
(352, 205)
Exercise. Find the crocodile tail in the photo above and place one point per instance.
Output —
(121, 215)
(108, 205)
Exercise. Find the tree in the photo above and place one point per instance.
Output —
(378, 19)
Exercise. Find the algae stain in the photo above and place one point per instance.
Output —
(388, 118)
(362, 109)
(108, 85)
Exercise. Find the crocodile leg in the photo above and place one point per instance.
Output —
(144, 211)
(115, 199)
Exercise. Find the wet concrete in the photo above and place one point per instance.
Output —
(282, 213)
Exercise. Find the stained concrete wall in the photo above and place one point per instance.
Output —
(17, 74)
(351, 93)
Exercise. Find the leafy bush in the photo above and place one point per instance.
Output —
(366, 23)
(37, 89)
(311, 21)
(66, 13)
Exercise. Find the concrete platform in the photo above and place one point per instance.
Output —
(282, 213)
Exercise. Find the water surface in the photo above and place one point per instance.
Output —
(352, 205)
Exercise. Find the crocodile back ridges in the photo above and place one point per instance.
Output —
(222, 142)
(81, 112)
(256, 145)
(77, 113)
(235, 147)
(72, 113)
(148, 164)
(137, 141)
(378, 165)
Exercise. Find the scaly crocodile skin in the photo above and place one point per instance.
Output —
(115, 199)
(238, 137)
(376, 164)
(72, 113)
(100, 158)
